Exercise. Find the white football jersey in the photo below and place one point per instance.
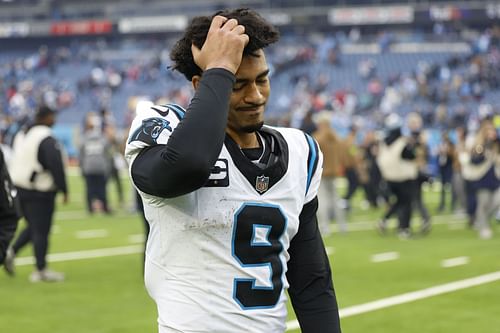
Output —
(216, 258)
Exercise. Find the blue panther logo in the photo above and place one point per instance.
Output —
(150, 130)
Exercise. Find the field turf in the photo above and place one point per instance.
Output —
(448, 281)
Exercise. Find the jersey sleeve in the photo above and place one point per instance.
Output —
(152, 125)
(314, 168)
(170, 154)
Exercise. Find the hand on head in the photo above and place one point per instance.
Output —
(223, 47)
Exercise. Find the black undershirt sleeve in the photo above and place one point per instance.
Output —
(183, 164)
(311, 288)
(50, 157)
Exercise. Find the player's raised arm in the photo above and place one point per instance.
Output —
(183, 164)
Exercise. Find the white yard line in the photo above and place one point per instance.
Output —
(137, 238)
(80, 255)
(330, 250)
(89, 234)
(83, 215)
(447, 219)
(456, 226)
(346, 312)
(411, 296)
(386, 256)
(453, 262)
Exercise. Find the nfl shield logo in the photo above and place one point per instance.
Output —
(262, 184)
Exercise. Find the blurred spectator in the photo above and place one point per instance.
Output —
(396, 160)
(330, 145)
(308, 125)
(95, 163)
(458, 183)
(446, 151)
(109, 130)
(351, 163)
(374, 186)
(417, 139)
(485, 157)
(37, 170)
(367, 68)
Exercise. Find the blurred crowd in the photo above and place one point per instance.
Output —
(86, 76)
(391, 166)
(448, 109)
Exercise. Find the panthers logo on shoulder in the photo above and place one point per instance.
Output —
(150, 130)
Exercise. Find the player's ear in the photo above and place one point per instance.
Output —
(195, 81)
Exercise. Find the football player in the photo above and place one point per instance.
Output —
(231, 203)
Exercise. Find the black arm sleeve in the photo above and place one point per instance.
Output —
(311, 288)
(183, 164)
(50, 157)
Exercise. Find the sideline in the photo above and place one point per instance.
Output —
(344, 313)
(410, 297)
(88, 254)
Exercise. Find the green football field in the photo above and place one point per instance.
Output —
(448, 281)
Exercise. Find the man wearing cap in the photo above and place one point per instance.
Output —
(37, 170)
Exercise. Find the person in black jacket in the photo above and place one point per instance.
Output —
(37, 170)
(9, 209)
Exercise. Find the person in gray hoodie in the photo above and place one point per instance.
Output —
(95, 163)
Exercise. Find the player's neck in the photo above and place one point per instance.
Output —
(245, 140)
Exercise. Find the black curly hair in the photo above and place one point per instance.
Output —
(260, 32)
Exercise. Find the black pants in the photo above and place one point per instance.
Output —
(470, 192)
(403, 193)
(373, 188)
(115, 175)
(445, 176)
(418, 202)
(38, 209)
(352, 183)
(371, 194)
(96, 189)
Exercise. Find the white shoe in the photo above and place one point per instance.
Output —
(46, 275)
(381, 227)
(404, 234)
(485, 233)
(425, 228)
(8, 264)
